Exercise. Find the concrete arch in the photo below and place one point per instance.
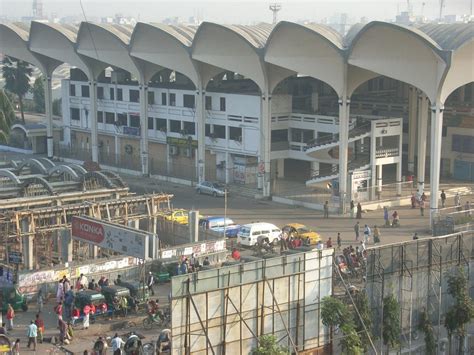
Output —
(33, 163)
(63, 169)
(10, 175)
(78, 169)
(236, 51)
(57, 42)
(165, 46)
(14, 43)
(116, 177)
(313, 50)
(36, 180)
(461, 71)
(422, 62)
(107, 44)
(20, 127)
(101, 177)
(47, 162)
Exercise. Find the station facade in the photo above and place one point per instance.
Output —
(249, 104)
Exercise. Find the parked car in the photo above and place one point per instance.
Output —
(179, 216)
(211, 188)
(250, 234)
(217, 224)
(297, 230)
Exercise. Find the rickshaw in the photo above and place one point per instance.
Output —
(88, 297)
(111, 292)
(137, 289)
(11, 295)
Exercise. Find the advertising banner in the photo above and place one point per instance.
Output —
(123, 240)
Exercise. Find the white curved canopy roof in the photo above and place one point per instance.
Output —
(435, 58)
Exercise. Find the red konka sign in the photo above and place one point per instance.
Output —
(87, 230)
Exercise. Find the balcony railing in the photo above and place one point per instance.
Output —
(387, 153)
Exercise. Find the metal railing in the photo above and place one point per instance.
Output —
(387, 153)
(359, 129)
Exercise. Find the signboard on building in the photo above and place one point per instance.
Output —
(131, 131)
(15, 257)
(182, 142)
(123, 240)
(198, 249)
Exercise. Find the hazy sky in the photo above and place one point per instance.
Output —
(231, 11)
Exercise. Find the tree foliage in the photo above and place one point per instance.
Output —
(462, 311)
(334, 312)
(391, 321)
(427, 328)
(362, 303)
(268, 346)
(7, 116)
(17, 79)
(350, 343)
(38, 94)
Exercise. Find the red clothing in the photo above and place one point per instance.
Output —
(93, 309)
(329, 244)
(10, 313)
(87, 309)
(59, 309)
(298, 243)
(236, 255)
(40, 324)
(76, 313)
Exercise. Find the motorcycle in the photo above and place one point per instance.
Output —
(159, 319)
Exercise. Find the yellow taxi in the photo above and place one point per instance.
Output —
(297, 230)
(178, 216)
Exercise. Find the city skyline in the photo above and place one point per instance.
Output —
(244, 12)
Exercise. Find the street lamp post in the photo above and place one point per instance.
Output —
(225, 210)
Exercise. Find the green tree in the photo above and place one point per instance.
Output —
(267, 345)
(17, 79)
(462, 311)
(362, 303)
(335, 313)
(427, 328)
(391, 322)
(7, 116)
(38, 94)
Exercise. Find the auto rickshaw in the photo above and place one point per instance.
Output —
(110, 292)
(88, 297)
(11, 295)
(137, 289)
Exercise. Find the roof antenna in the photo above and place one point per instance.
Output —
(275, 8)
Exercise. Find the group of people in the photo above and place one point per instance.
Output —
(351, 259)
(188, 265)
(356, 209)
(368, 233)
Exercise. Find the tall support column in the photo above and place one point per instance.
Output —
(435, 167)
(27, 240)
(144, 125)
(422, 137)
(344, 103)
(94, 124)
(66, 245)
(201, 132)
(227, 167)
(48, 109)
(265, 143)
(412, 115)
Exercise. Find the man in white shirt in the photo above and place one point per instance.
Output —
(117, 344)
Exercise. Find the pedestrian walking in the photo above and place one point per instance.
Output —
(40, 299)
(359, 211)
(40, 325)
(467, 208)
(150, 282)
(329, 243)
(422, 207)
(124, 305)
(443, 199)
(352, 209)
(413, 201)
(376, 235)
(367, 233)
(10, 317)
(339, 241)
(60, 291)
(457, 201)
(59, 310)
(283, 242)
(326, 209)
(357, 230)
(117, 344)
(32, 333)
(16, 347)
(386, 217)
(85, 321)
(66, 285)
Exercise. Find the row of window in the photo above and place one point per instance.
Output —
(160, 124)
(463, 144)
(134, 96)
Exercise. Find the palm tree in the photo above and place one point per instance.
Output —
(17, 79)
(7, 116)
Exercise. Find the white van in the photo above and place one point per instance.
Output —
(249, 234)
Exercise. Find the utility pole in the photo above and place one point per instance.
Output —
(275, 8)
(441, 5)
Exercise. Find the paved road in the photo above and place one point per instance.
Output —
(244, 210)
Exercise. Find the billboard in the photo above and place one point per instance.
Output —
(123, 240)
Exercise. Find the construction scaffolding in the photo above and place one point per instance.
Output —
(226, 310)
(415, 273)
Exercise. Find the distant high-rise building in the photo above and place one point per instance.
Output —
(37, 9)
